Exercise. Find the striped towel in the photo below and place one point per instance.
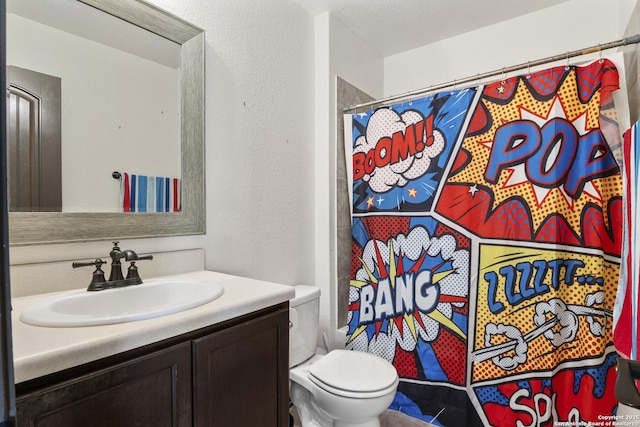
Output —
(143, 193)
(626, 330)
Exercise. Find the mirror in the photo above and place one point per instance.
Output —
(188, 41)
(89, 94)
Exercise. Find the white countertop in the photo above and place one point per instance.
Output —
(39, 351)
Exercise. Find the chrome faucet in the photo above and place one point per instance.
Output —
(116, 279)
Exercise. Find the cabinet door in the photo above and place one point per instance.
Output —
(149, 391)
(241, 374)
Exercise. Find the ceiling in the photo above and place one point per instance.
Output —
(391, 27)
(88, 22)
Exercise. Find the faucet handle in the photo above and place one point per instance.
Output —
(130, 255)
(132, 273)
(98, 280)
(97, 263)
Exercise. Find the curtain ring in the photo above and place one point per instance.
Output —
(567, 67)
(599, 53)
(528, 69)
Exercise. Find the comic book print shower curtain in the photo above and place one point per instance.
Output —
(486, 244)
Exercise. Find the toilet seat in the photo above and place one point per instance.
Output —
(353, 374)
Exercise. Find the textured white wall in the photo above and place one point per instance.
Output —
(259, 136)
(632, 62)
(338, 53)
(569, 26)
(270, 124)
(260, 142)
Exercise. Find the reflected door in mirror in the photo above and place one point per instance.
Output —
(34, 133)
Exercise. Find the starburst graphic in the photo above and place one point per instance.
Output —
(517, 175)
(390, 271)
(514, 180)
(492, 284)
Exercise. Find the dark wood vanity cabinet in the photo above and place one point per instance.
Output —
(230, 374)
(242, 377)
(152, 390)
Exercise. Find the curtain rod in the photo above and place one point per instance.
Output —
(598, 48)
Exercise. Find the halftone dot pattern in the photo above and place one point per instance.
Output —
(588, 81)
(370, 254)
(430, 327)
(384, 227)
(354, 295)
(510, 220)
(405, 364)
(512, 209)
(501, 90)
(358, 345)
(492, 394)
(610, 114)
(543, 203)
(413, 328)
(356, 251)
(452, 356)
(599, 376)
(480, 120)
(463, 241)
(382, 125)
(462, 309)
(545, 82)
(384, 347)
(556, 229)
(541, 353)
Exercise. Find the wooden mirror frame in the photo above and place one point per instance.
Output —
(29, 228)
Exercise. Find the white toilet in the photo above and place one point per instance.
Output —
(342, 388)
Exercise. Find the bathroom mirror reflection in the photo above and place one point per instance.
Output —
(118, 102)
(145, 116)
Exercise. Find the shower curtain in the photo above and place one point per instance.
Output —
(486, 243)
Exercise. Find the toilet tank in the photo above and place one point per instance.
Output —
(304, 309)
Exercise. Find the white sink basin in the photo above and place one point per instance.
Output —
(153, 298)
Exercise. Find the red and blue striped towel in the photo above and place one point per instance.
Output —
(144, 193)
(626, 328)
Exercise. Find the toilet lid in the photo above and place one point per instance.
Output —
(353, 371)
